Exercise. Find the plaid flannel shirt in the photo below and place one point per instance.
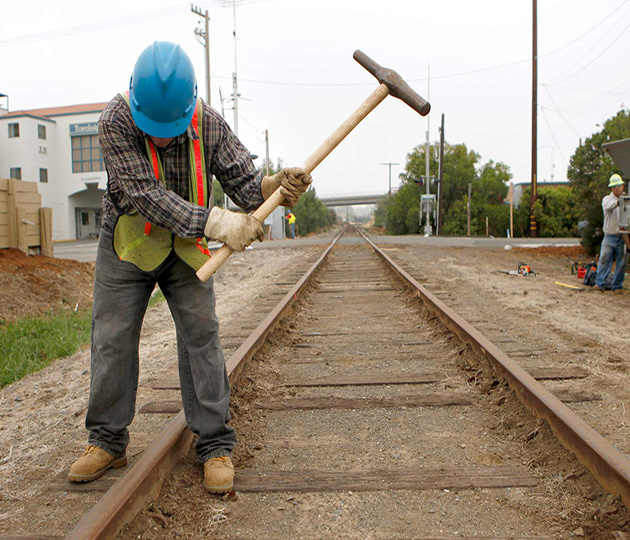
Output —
(132, 184)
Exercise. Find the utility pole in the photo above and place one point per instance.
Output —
(389, 193)
(511, 210)
(468, 206)
(204, 35)
(533, 227)
(389, 164)
(267, 150)
(234, 77)
(427, 222)
(440, 179)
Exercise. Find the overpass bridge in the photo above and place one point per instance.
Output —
(353, 199)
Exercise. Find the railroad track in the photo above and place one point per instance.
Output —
(366, 417)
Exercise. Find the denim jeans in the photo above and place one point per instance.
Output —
(613, 248)
(121, 296)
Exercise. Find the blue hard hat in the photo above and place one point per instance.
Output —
(163, 90)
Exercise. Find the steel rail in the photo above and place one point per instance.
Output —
(608, 465)
(141, 485)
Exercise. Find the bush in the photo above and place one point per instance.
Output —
(311, 214)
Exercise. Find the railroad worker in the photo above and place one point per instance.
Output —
(615, 243)
(160, 145)
(291, 219)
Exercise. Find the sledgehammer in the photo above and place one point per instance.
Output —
(391, 83)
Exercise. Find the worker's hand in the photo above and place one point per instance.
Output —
(234, 229)
(292, 181)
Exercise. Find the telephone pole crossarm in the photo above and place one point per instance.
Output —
(205, 33)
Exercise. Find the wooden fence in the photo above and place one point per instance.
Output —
(24, 223)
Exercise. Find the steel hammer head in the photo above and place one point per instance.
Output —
(395, 83)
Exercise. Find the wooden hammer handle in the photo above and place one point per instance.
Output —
(276, 199)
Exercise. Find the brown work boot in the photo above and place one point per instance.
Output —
(618, 291)
(218, 475)
(93, 463)
(598, 288)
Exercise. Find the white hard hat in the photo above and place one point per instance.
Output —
(615, 180)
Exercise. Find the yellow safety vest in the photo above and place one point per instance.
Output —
(291, 217)
(147, 245)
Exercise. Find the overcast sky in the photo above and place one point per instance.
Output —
(298, 80)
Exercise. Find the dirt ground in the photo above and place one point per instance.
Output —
(33, 286)
(41, 417)
(545, 322)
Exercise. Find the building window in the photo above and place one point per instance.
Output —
(85, 218)
(15, 172)
(43, 176)
(86, 154)
(41, 132)
(14, 130)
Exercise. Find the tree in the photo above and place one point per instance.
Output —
(589, 170)
(460, 169)
(380, 213)
(590, 166)
(311, 214)
(556, 212)
(492, 186)
(403, 211)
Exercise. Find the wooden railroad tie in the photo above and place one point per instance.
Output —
(412, 478)
(385, 379)
(421, 400)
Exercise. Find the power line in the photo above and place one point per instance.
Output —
(558, 111)
(592, 27)
(552, 135)
(448, 75)
(619, 91)
(596, 57)
(92, 27)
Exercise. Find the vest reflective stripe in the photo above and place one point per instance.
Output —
(198, 169)
(148, 245)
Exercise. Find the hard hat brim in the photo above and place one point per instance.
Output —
(163, 130)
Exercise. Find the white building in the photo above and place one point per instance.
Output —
(58, 148)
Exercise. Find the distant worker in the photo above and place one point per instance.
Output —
(615, 243)
(160, 146)
(291, 219)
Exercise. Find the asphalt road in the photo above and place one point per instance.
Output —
(85, 250)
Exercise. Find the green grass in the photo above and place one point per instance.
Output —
(31, 344)
(156, 297)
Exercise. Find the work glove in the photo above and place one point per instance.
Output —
(292, 181)
(234, 229)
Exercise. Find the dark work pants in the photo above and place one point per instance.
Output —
(121, 296)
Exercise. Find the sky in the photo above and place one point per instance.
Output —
(297, 78)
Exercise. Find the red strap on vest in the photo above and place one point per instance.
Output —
(198, 171)
(197, 151)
